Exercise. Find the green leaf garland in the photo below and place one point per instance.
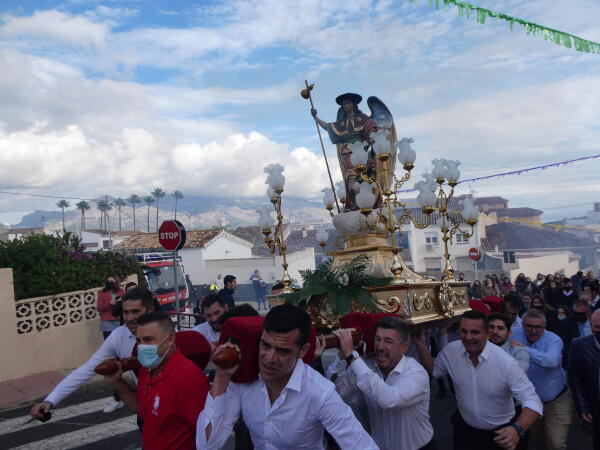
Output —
(549, 34)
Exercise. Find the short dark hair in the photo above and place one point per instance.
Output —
(228, 279)
(513, 300)
(566, 280)
(243, 310)
(500, 316)
(211, 299)
(473, 314)
(287, 317)
(130, 284)
(394, 323)
(142, 294)
(163, 320)
(582, 303)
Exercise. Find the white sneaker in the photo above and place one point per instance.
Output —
(112, 405)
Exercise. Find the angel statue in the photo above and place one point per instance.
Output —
(352, 126)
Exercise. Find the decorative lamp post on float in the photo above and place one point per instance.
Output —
(372, 214)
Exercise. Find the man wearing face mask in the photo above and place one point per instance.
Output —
(583, 373)
(289, 405)
(119, 344)
(171, 389)
(567, 296)
(574, 326)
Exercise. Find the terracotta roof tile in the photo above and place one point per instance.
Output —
(507, 235)
(149, 241)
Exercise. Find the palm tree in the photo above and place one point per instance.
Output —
(149, 200)
(103, 206)
(178, 196)
(119, 203)
(157, 193)
(62, 205)
(133, 200)
(83, 206)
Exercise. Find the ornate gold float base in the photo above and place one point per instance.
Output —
(427, 303)
(380, 253)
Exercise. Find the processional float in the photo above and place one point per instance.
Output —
(366, 272)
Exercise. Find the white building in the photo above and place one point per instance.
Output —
(94, 240)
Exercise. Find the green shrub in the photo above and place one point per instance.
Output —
(46, 265)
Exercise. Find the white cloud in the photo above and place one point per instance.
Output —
(55, 26)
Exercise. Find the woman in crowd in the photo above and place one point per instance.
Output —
(539, 302)
(489, 289)
(475, 292)
(108, 297)
(520, 283)
(506, 286)
(550, 293)
(562, 312)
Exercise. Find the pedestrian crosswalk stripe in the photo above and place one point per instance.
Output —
(11, 425)
(84, 436)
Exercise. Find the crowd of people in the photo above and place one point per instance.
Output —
(516, 374)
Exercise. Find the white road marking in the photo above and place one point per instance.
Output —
(84, 436)
(16, 424)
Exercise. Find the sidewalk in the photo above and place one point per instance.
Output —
(28, 390)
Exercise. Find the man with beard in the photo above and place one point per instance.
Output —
(548, 377)
(119, 344)
(213, 307)
(394, 386)
(499, 333)
(584, 374)
(290, 403)
(486, 379)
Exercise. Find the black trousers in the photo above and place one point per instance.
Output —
(429, 446)
(468, 438)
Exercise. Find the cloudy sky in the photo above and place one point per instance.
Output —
(115, 97)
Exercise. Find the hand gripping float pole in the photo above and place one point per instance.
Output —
(305, 93)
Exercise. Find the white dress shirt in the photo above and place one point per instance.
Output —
(306, 405)
(119, 344)
(206, 330)
(398, 405)
(485, 393)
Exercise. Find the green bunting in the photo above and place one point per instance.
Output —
(558, 37)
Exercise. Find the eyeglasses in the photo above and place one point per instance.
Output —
(534, 327)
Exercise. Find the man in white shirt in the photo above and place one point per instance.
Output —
(213, 307)
(499, 333)
(486, 379)
(394, 386)
(119, 344)
(289, 405)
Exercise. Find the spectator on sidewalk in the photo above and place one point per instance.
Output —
(486, 380)
(119, 344)
(226, 293)
(475, 291)
(499, 333)
(219, 283)
(259, 290)
(584, 375)
(548, 377)
(108, 297)
(490, 289)
(171, 389)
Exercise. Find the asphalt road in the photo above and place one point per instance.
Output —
(79, 423)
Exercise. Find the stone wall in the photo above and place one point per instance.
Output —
(46, 333)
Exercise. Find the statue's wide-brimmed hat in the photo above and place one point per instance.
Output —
(354, 98)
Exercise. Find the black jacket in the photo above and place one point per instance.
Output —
(568, 329)
(227, 295)
(582, 374)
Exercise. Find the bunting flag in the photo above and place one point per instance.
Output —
(521, 171)
(549, 34)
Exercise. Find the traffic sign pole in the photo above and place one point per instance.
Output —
(176, 284)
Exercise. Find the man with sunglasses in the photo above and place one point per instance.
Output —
(549, 379)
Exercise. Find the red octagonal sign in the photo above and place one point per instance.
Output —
(474, 254)
(171, 235)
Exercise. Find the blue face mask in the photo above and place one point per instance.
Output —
(148, 355)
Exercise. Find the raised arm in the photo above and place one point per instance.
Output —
(321, 123)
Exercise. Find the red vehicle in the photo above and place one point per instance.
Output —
(158, 270)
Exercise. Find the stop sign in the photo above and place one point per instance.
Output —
(171, 235)
(474, 254)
